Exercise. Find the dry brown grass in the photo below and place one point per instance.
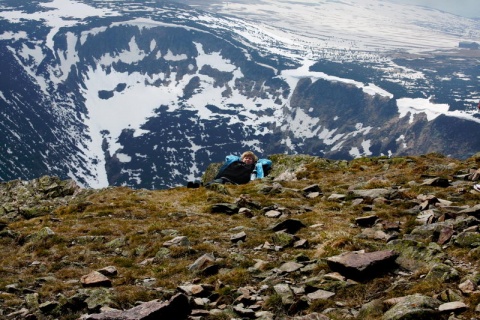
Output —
(123, 227)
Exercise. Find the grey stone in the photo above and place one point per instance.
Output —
(109, 271)
(313, 316)
(371, 233)
(244, 312)
(205, 265)
(337, 196)
(177, 308)
(468, 240)
(414, 307)
(192, 289)
(436, 182)
(48, 306)
(273, 214)
(290, 267)
(284, 291)
(454, 306)
(241, 236)
(264, 315)
(442, 273)
(414, 254)
(371, 310)
(97, 298)
(320, 295)
(472, 211)
(372, 193)
(180, 241)
(40, 235)
(312, 188)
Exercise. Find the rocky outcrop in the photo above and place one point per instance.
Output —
(34, 198)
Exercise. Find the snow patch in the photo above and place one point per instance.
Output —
(410, 107)
(122, 157)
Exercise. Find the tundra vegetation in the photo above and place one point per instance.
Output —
(275, 248)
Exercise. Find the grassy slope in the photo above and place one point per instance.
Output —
(142, 220)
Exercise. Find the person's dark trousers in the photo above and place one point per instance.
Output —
(194, 184)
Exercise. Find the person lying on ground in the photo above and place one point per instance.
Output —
(241, 170)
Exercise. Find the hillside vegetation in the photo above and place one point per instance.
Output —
(271, 249)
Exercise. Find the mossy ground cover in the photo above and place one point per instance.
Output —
(122, 227)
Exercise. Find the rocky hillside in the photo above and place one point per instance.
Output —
(371, 238)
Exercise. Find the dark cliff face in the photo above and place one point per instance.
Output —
(33, 139)
(389, 134)
(210, 92)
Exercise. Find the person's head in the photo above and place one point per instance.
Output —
(249, 157)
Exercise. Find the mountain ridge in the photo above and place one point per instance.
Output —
(147, 96)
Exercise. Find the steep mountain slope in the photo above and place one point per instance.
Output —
(147, 95)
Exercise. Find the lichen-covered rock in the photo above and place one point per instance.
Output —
(442, 273)
(40, 235)
(34, 198)
(468, 240)
(414, 255)
(416, 306)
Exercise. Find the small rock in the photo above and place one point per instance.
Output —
(467, 286)
(366, 221)
(336, 196)
(226, 208)
(320, 295)
(244, 312)
(284, 291)
(246, 212)
(180, 241)
(290, 267)
(302, 243)
(312, 188)
(455, 306)
(414, 307)
(273, 214)
(241, 236)
(192, 290)
(290, 225)
(95, 279)
(109, 271)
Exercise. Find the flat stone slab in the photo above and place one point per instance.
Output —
(177, 308)
(320, 295)
(359, 265)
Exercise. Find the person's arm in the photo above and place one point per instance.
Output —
(259, 167)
